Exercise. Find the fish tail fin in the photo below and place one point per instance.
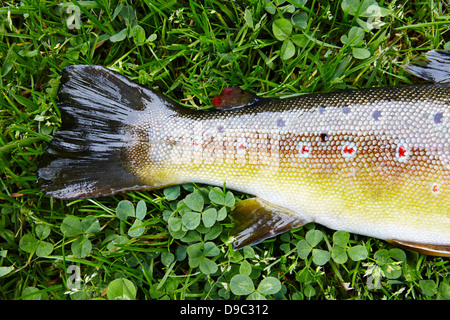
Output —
(433, 66)
(84, 159)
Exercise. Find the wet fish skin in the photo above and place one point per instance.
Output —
(373, 161)
(350, 161)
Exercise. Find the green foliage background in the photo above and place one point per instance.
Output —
(173, 243)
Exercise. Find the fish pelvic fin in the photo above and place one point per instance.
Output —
(432, 66)
(423, 248)
(255, 220)
(84, 159)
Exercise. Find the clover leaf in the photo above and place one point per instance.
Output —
(126, 209)
(307, 246)
(242, 284)
(30, 244)
(74, 227)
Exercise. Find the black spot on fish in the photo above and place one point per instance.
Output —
(346, 110)
(438, 117)
(324, 137)
(376, 115)
(281, 123)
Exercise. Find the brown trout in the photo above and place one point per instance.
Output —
(375, 161)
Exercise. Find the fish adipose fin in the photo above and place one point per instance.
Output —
(234, 98)
(255, 220)
(84, 158)
(423, 248)
(433, 66)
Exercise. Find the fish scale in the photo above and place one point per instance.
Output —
(373, 161)
(356, 180)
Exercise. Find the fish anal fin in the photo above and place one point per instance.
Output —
(423, 248)
(233, 98)
(255, 220)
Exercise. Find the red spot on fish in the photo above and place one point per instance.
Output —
(217, 101)
(402, 151)
(304, 150)
(195, 142)
(348, 149)
(435, 188)
(241, 146)
(227, 90)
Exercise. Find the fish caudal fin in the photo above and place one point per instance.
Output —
(255, 220)
(433, 66)
(84, 158)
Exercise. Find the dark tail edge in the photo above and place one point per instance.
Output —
(433, 66)
(84, 158)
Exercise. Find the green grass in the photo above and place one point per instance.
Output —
(189, 51)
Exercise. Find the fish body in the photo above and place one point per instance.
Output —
(374, 161)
